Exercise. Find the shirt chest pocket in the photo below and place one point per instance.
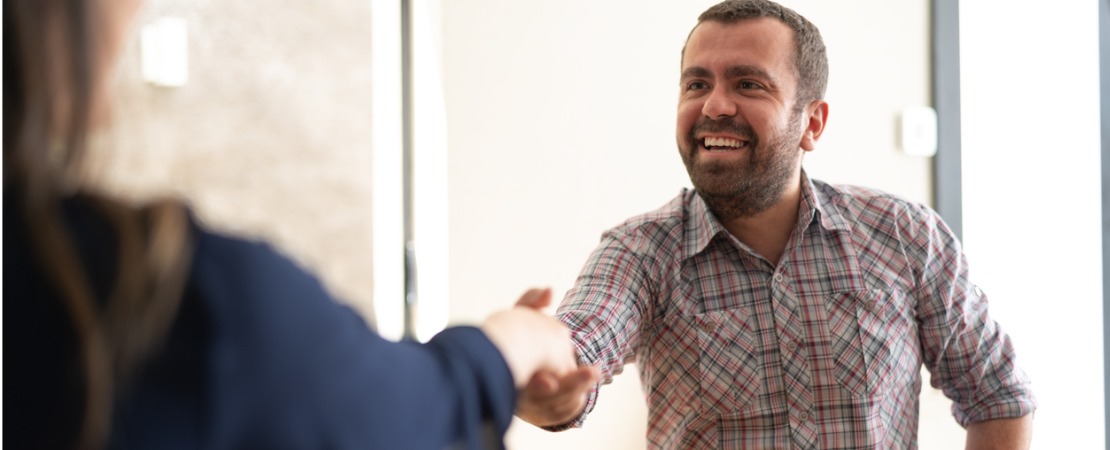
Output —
(874, 341)
(726, 368)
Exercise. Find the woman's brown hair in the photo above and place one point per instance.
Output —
(50, 68)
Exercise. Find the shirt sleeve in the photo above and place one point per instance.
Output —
(292, 368)
(604, 311)
(970, 357)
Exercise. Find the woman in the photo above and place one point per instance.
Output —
(133, 327)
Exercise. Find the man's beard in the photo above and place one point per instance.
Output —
(743, 188)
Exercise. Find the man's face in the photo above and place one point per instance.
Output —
(737, 130)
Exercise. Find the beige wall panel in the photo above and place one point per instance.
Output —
(269, 138)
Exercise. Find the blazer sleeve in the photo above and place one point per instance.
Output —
(292, 368)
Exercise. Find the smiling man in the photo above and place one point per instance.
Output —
(767, 309)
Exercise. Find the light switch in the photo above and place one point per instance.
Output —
(919, 131)
(164, 50)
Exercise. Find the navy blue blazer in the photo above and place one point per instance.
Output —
(260, 356)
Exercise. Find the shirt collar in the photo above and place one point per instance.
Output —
(820, 204)
(702, 226)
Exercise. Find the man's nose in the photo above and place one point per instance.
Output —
(719, 104)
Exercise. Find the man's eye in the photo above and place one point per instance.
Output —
(696, 85)
(748, 85)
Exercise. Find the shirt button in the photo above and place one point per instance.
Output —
(871, 304)
(778, 277)
(803, 416)
(791, 346)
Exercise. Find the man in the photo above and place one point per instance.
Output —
(769, 310)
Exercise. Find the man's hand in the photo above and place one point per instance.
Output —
(530, 341)
(551, 399)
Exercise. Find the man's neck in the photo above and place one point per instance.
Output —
(769, 231)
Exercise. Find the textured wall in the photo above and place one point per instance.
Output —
(270, 138)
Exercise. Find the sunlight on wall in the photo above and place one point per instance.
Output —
(430, 160)
(389, 235)
(1032, 223)
(430, 179)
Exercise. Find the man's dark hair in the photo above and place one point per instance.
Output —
(811, 64)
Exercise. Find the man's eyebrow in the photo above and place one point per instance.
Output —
(730, 73)
(747, 71)
(696, 72)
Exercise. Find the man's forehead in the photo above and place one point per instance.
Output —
(762, 36)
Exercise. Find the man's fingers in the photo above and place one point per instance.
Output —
(529, 298)
(573, 388)
(535, 298)
(573, 383)
(582, 379)
(542, 384)
(569, 385)
(562, 401)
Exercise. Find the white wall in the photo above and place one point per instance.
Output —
(560, 121)
(1032, 222)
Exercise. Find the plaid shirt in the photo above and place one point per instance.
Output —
(821, 352)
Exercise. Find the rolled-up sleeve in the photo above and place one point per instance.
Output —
(970, 357)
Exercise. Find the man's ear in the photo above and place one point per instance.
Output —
(816, 117)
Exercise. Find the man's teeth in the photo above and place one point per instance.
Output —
(722, 142)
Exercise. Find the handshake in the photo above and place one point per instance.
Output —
(539, 352)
